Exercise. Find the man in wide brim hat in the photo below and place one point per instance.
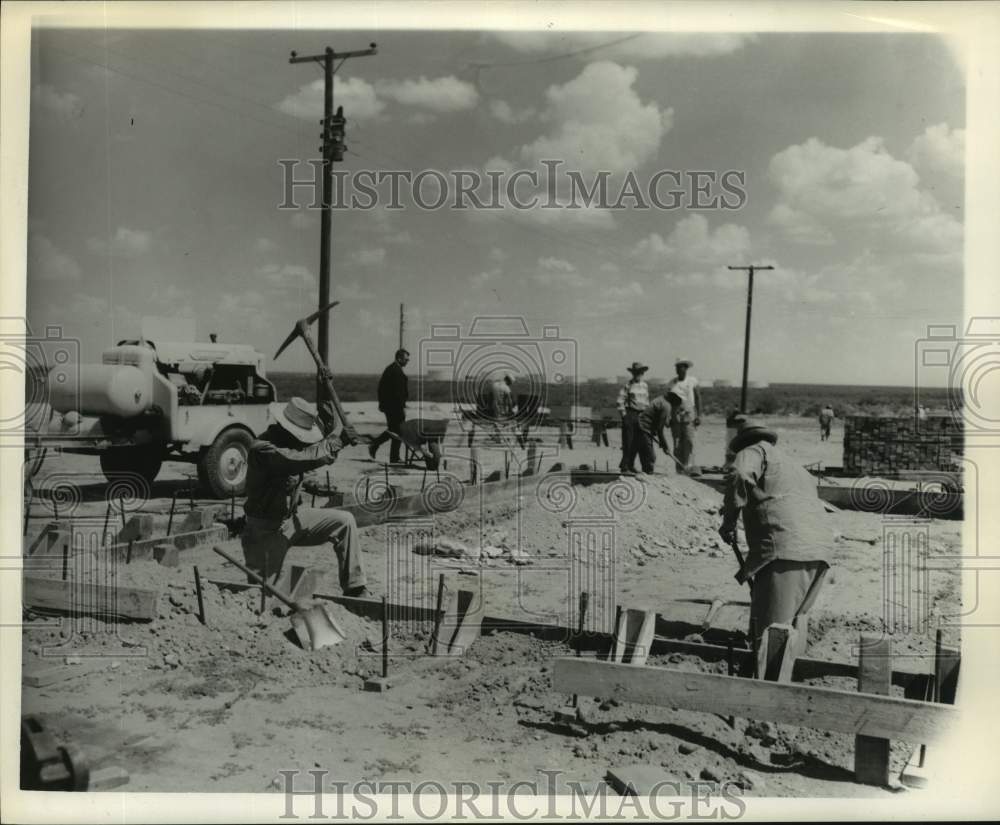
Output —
(633, 399)
(789, 540)
(278, 459)
(684, 393)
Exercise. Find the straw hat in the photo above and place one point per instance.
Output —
(637, 367)
(750, 433)
(686, 362)
(298, 417)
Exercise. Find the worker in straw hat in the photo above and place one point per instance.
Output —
(685, 397)
(785, 524)
(633, 398)
(276, 463)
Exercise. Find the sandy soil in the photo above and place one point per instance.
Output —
(223, 707)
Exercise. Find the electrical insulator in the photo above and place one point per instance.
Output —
(336, 135)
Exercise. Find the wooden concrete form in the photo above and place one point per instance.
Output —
(779, 647)
(75, 597)
(930, 503)
(633, 639)
(813, 707)
(871, 754)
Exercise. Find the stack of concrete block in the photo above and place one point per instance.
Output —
(879, 445)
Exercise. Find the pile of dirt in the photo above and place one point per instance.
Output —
(234, 630)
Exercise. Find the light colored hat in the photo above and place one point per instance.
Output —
(687, 362)
(298, 417)
(749, 433)
(637, 367)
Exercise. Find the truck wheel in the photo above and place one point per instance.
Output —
(146, 461)
(223, 466)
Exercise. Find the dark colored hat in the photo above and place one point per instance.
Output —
(637, 367)
(751, 433)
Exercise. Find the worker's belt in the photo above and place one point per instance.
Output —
(264, 524)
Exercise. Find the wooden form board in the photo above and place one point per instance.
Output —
(871, 753)
(634, 633)
(74, 597)
(813, 707)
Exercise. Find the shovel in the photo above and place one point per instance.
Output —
(312, 625)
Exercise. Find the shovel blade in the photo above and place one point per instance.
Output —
(315, 628)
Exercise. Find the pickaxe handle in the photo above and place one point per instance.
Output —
(324, 372)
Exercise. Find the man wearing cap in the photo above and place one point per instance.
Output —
(685, 396)
(633, 398)
(393, 392)
(825, 422)
(276, 463)
(786, 528)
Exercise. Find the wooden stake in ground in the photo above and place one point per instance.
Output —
(173, 506)
(27, 508)
(197, 590)
(380, 684)
(571, 712)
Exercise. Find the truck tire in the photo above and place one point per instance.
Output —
(146, 461)
(223, 466)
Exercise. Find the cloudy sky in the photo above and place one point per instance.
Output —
(155, 185)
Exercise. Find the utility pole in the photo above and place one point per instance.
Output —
(402, 323)
(746, 339)
(333, 150)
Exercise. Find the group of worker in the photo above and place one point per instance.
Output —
(644, 420)
(789, 544)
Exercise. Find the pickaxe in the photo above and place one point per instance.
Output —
(302, 330)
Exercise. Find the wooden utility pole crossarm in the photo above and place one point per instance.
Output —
(332, 150)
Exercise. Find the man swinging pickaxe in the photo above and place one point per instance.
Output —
(350, 435)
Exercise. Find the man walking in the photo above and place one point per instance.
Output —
(393, 393)
(825, 422)
(633, 398)
(685, 398)
(276, 463)
(785, 524)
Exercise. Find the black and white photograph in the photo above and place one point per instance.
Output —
(499, 411)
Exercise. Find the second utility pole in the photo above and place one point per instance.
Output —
(746, 339)
(333, 150)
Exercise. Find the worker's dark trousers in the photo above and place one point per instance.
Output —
(635, 443)
(393, 421)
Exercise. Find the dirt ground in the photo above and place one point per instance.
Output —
(225, 706)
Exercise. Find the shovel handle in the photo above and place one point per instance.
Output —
(267, 588)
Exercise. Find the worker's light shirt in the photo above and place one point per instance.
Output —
(633, 396)
(684, 390)
(782, 514)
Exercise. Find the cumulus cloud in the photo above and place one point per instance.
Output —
(356, 95)
(692, 244)
(125, 243)
(823, 189)
(647, 46)
(940, 149)
(505, 113)
(558, 272)
(48, 263)
(286, 275)
(369, 257)
(599, 122)
(440, 94)
(65, 105)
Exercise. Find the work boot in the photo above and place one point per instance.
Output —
(372, 449)
(358, 592)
